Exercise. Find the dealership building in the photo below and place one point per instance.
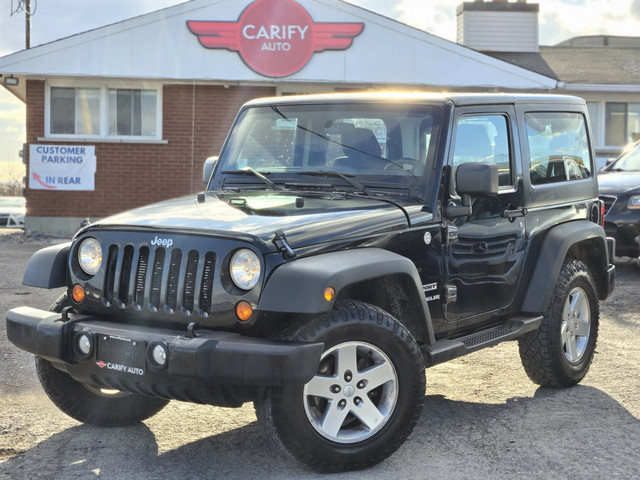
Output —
(126, 114)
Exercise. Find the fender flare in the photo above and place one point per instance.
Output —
(555, 246)
(47, 268)
(298, 286)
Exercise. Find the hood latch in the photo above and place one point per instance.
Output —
(280, 241)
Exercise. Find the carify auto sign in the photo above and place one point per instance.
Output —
(275, 38)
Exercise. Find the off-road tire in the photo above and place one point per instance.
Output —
(542, 352)
(282, 412)
(86, 404)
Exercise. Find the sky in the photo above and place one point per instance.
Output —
(54, 19)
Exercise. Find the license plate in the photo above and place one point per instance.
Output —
(121, 354)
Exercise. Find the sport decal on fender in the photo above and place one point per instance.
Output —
(275, 38)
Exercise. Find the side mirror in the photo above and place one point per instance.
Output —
(473, 180)
(207, 168)
(477, 179)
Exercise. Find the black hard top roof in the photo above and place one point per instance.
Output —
(458, 99)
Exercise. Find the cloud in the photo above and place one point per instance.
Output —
(558, 20)
(561, 20)
(55, 19)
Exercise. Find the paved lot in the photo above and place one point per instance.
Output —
(483, 418)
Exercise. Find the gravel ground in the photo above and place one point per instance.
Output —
(482, 417)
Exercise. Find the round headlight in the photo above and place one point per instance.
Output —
(90, 256)
(245, 269)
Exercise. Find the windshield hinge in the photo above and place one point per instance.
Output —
(280, 241)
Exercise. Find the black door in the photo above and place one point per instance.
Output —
(485, 263)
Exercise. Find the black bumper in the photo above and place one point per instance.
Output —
(210, 367)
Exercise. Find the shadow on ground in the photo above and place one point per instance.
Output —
(575, 433)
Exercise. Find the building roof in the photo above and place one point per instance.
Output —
(533, 61)
(594, 65)
(159, 46)
(601, 41)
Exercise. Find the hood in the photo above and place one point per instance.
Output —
(304, 219)
(617, 183)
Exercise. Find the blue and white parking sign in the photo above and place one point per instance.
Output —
(62, 167)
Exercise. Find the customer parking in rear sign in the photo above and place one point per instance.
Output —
(62, 167)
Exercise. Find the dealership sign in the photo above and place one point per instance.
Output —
(62, 167)
(275, 38)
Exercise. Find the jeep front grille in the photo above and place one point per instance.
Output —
(156, 279)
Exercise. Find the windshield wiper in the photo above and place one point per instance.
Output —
(251, 171)
(333, 173)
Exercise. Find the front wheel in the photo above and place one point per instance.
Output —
(560, 352)
(364, 400)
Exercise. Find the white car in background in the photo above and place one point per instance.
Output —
(12, 212)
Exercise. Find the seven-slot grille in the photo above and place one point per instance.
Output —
(159, 279)
(608, 202)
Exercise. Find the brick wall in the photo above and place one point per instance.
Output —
(130, 174)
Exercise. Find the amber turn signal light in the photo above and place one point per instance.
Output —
(244, 310)
(77, 293)
(329, 294)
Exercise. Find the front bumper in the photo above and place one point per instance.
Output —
(220, 368)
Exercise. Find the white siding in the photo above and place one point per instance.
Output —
(499, 31)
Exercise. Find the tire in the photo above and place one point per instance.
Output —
(88, 404)
(352, 416)
(560, 352)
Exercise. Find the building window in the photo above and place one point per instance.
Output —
(103, 111)
(75, 111)
(622, 122)
(132, 112)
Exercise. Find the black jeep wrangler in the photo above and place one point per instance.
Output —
(344, 243)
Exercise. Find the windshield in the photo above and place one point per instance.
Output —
(629, 161)
(12, 202)
(354, 146)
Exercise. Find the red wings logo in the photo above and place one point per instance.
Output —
(275, 38)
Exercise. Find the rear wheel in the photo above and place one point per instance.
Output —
(89, 404)
(364, 400)
(560, 352)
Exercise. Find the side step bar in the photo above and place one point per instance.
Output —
(445, 350)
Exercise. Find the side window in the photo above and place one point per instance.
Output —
(484, 138)
(558, 147)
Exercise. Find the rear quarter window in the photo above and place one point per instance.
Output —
(558, 147)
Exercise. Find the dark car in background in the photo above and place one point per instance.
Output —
(619, 186)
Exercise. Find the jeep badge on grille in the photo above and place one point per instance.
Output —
(163, 242)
